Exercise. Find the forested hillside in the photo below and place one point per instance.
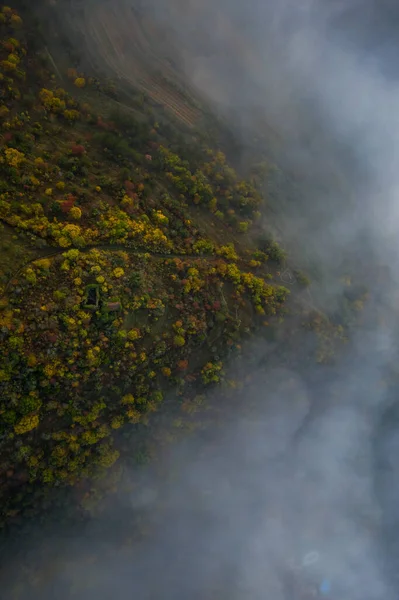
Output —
(127, 270)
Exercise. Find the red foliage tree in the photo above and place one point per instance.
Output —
(68, 203)
(129, 185)
(78, 150)
(182, 365)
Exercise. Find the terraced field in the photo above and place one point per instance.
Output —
(114, 36)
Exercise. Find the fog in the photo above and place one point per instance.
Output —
(299, 488)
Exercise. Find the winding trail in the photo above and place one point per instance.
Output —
(51, 252)
(57, 250)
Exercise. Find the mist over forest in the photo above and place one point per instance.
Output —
(289, 486)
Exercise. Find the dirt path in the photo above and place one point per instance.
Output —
(57, 250)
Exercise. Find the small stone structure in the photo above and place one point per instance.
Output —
(92, 297)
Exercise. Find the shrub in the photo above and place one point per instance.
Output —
(3, 111)
(75, 213)
(211, 373)
(179, 341)
(8, 66)
(80, 82)
(26, 424)
(71, 115)
(274, 251)
(43, 263)
(13, 58)
(64, 242)
(29, 404)
(16, 21)
(134, 334)
(51, 102)
(30, 276)
(108, 457)
(117, 422)
(243, 226)
(228, 252)
(14, 158)
(73, 254)
(127, 399)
